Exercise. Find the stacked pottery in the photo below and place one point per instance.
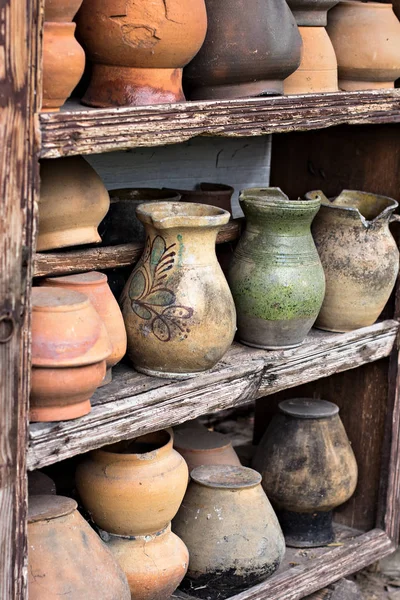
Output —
(70, 346)
(199, 446)
(63, 57)
(132, 490)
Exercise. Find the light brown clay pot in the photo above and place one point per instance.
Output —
(73, 201)
(133, 487)
(153, 564)
(366, 39)
(94, 286)
(178, 310)
(199, 446)
(139, 48)
(66, 558)
(40, 484)
(61, 10)
(318, 70)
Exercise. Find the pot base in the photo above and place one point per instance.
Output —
(263, 347)
(56, 413)
(67, 237)
(349, 85)
(167, 375)
(240, 90)
(306, 530)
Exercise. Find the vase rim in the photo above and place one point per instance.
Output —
(225, 477)
(115, 452)
(365, 3)
(88, 278)
(54, 299)
(273, 196)
(167, 215)
(354, 210)
(308, 408)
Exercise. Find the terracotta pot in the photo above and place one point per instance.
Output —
(199, 446)
(178, 309)
(356, 248)
(276, 276)
(61, 10)
(308, 469)
(311, 13)
(139, 49)
(250, 48)
(66, 557)
(153, 564)
(318, 71)
(214, 194)
(94, 286)
(231, 531)
(133, 487)
(73, 201)
(40, 484)
(366, 39)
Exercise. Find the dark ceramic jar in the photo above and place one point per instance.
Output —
(311, 13)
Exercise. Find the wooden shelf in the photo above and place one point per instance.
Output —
(133, 404)
(79, 130)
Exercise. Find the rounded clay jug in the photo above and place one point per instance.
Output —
(231, 531)
(276, 275)
(133, 487)
(308, 468)
(311, 13)
(359, 256)
(66, 558)
(139, 48)
(178, 309)
(199, 446)
(251, 46)
(366, 39)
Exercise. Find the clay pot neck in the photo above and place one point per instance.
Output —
(178, 215)
(148, 537)
(143, 450)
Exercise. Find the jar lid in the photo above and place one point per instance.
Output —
(50, 299)
(91, 277)
(225, 477)
(196, 438)
(45, 508)
(308, 408)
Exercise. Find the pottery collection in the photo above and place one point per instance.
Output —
(199, 446)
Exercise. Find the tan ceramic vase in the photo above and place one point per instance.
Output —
(366, 39)
(66, 558)
(94, 286)
(359, 256)
(318, 70)
(133, 487)
(139, 48)
(199, 446)
(231, 531)
(73, 201)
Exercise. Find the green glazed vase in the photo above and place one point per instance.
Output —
(276, 276)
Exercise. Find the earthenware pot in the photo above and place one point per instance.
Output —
(61, 10)
(153, 564)
(73, 201)
(214, 194)
(178, 309)
(318, 70)
(139, 48)
(308, 469)
(94, 286)
(40, 484)
(199, 446)
(311, 13)
(250, 48)
(66, 557)
(133, 487)
(276, 275)
(231, 531)
(359, 256)
(366, 39)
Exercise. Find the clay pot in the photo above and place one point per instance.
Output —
(214, 194)
(178, 310)
(73, 201)
(250, 48)
(133, 487)
(308, 468)
(94, 286)
(139, 49)
(318, 70)
(366, 39)
(356, 248)
(199, 446)
(276, 276)
(61, 10)
(231, 531)
(311, 13)
(153, 564)
(40, 484)
(66, 557)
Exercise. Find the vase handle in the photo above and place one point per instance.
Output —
(394, 219)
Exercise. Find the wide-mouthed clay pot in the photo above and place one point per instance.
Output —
(178, 310)
(359, 256)
(73, 201)
(311, 13)
(40, 484)
(231, 531)
(139, 48)
(133, 487)
(66, 558)
(366, 39)
(199, 446)
(214, 194)
(61, 10)
(308, 468)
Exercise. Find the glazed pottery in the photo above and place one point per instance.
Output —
(308, 468)
(66, 558)
(133, 487)
(359, 256)
(318, 70)
(311, 13)
(199, 446)
(153, 564)
(94, 286)
(40, 484)
(214, 194)
(61, 10)
(276, 276)
(250, 48)
(73, 201)
(178, 309)
(139, 48)
(231, 531)
(366, 39)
